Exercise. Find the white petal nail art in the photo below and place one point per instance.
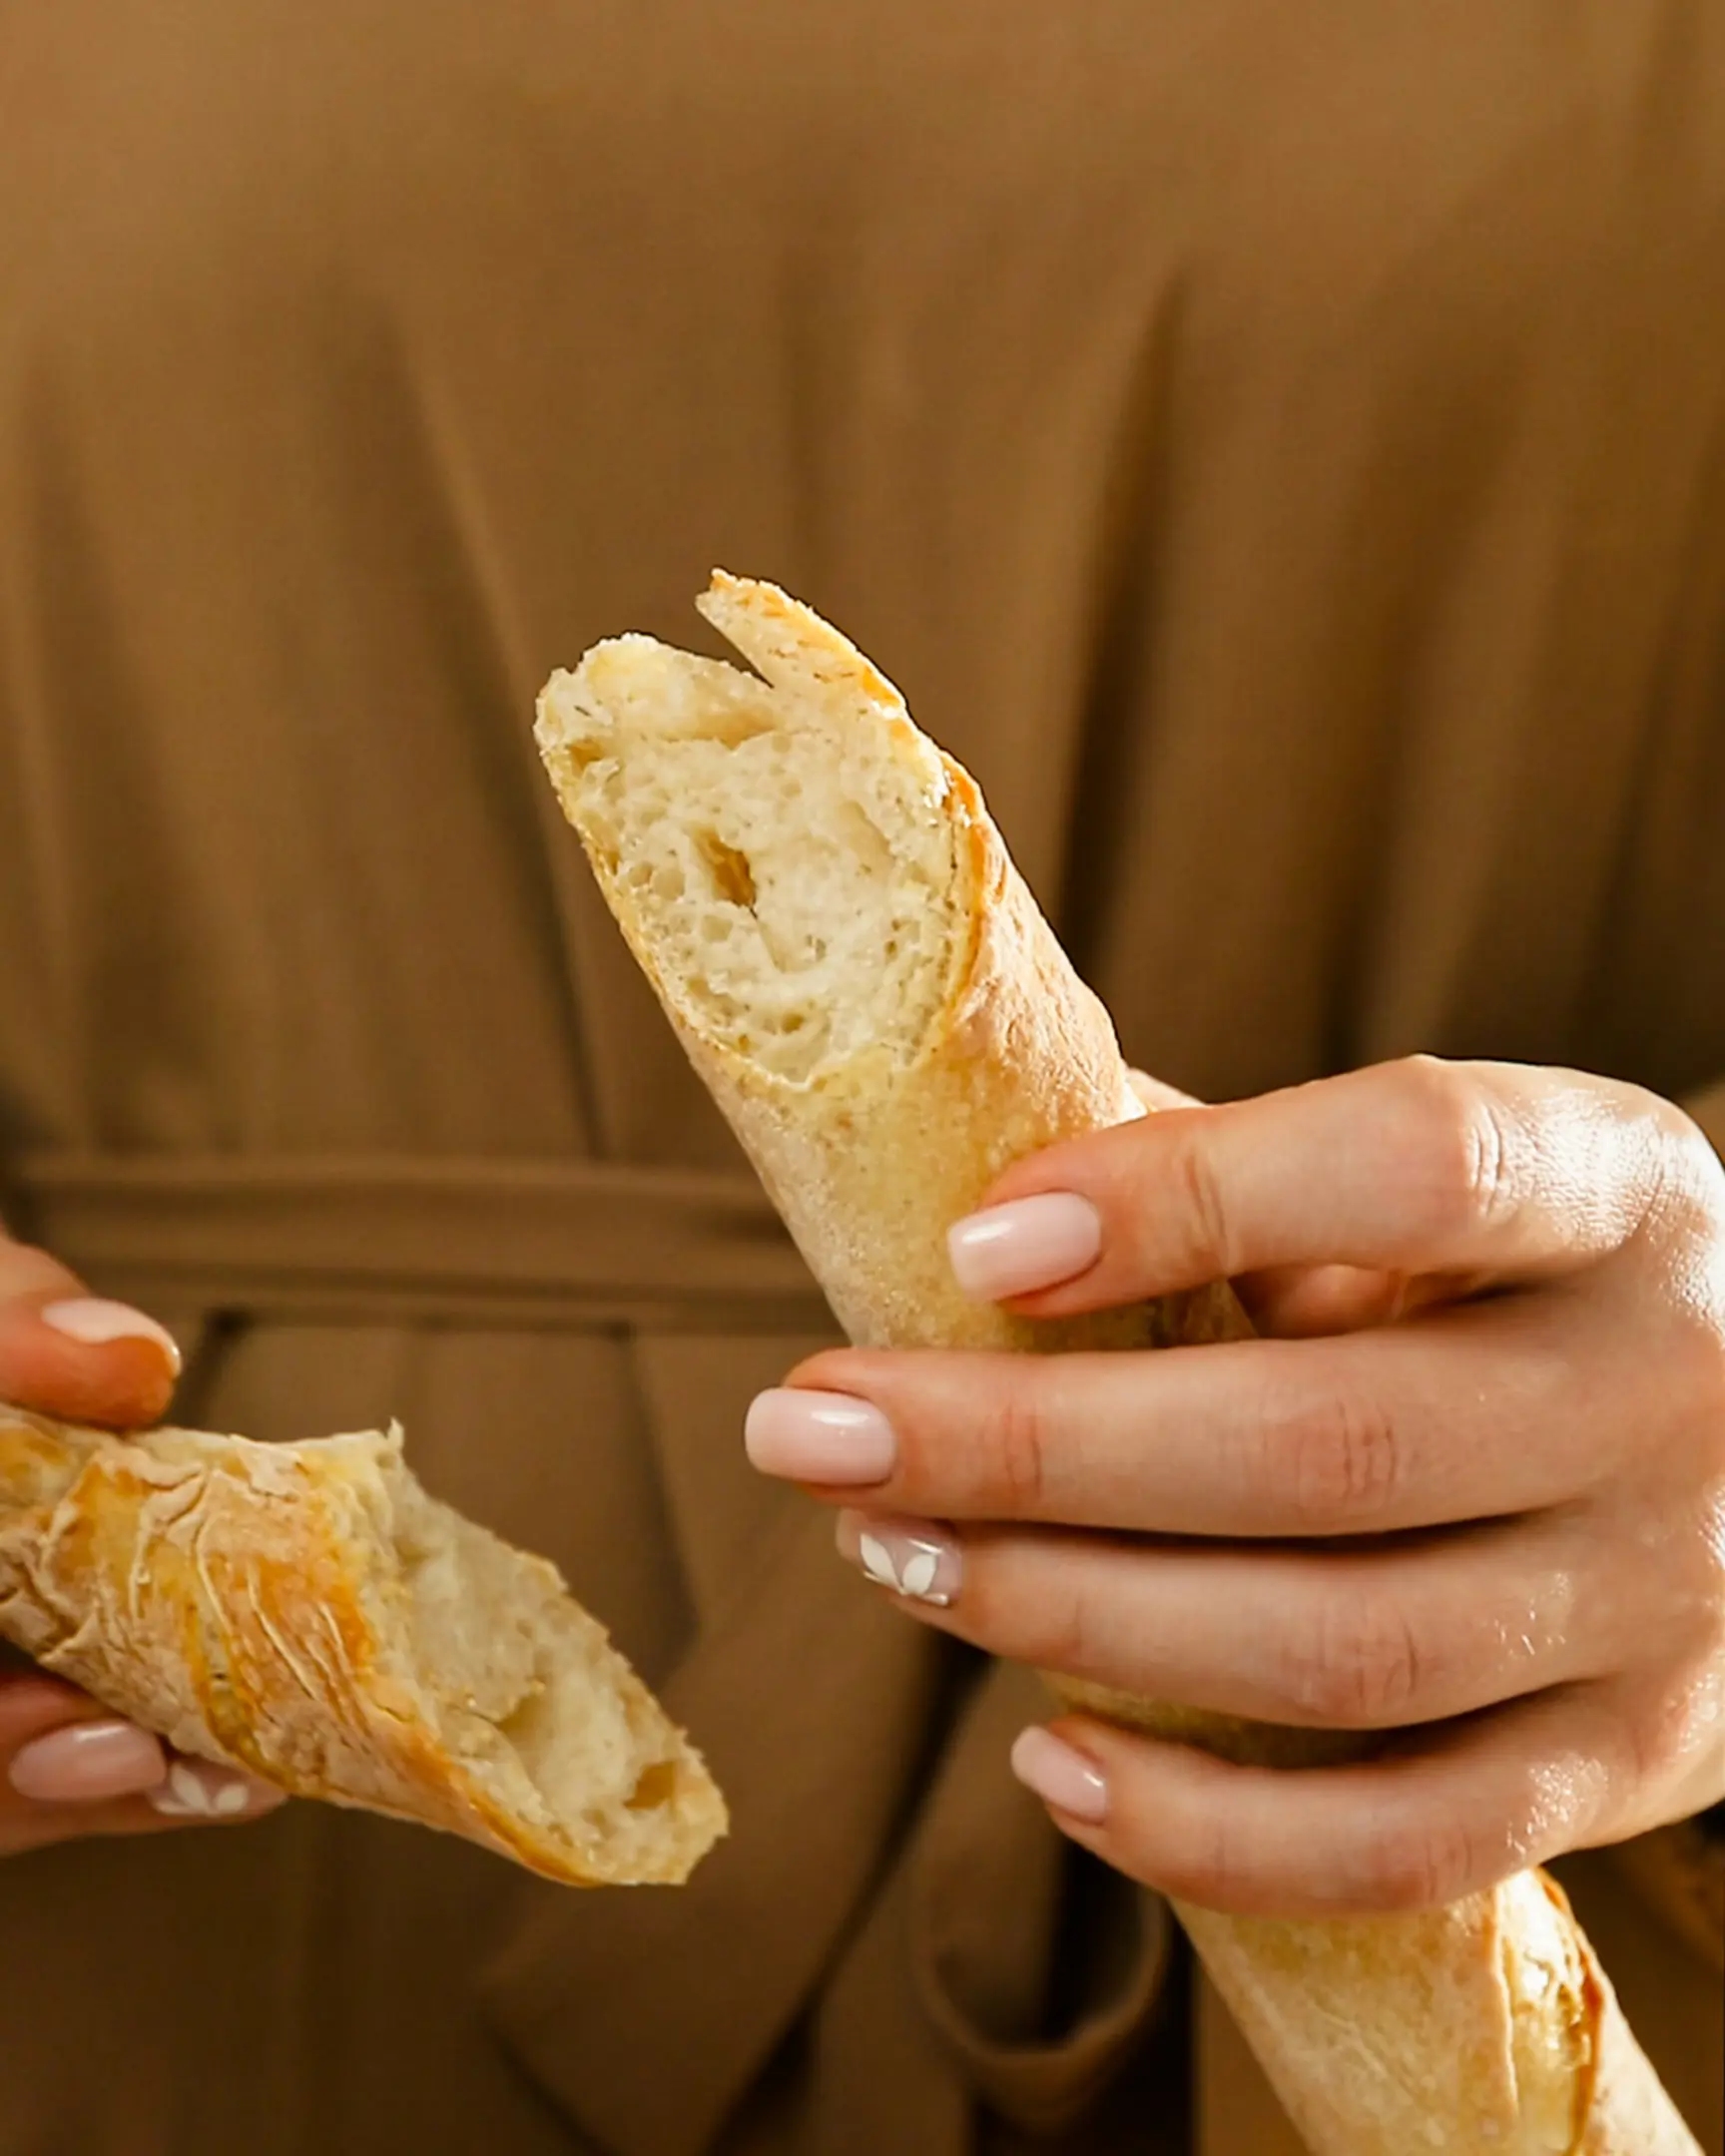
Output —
(920, 1572)
(911, 1563)
(189, 1794)
(188, 1786)
(877, 1563)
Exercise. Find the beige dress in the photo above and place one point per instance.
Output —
(1280, 447)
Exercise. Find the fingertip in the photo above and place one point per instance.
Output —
(825, 1439)
(1024, 1246)
(1069, 1781)
(132, 1390)
(1093, 1223)
(95, 1322)
(88, 1761)
(86, 1359)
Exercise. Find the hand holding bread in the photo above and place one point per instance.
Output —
(216, 1624)
(1484, 1527)
(869, 991)
(68, 1767)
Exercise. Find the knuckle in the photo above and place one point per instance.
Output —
(1692, 1376)
(1338, 1460)
(1015, 1443)
(1407, 1865)
(1660, 1729)
(1695, 1371)
(1211, 1866)
(1209, 1223)
(1064, 1634)
(1653, 1736)
(1467, 1150)
(1676, 1171)
(1361, 1666)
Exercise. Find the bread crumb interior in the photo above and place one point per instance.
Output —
(746, 826)
(526, 1690)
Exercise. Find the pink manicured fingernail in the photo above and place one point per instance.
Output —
(921, 1562)
(819, 1437)
(88, 1319)
(193, 1790)
(1030, 1242)
(87, 1762)
(1060, 1775)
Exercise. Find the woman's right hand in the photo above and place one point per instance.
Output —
(68, 1767)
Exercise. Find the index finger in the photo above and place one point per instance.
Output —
(1493, 1171)
(1369, 1435)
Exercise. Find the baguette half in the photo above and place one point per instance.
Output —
(308, 1613)
(870, 993)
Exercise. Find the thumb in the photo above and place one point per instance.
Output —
(69, 1354)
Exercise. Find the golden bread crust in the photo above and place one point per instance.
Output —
(251, 1604)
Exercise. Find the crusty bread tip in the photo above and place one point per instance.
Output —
(869, 990)
(308, 1613)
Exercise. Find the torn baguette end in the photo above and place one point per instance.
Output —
(311, 1614)
(766, 836)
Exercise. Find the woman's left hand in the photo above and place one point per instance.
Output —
(1472, 1489)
